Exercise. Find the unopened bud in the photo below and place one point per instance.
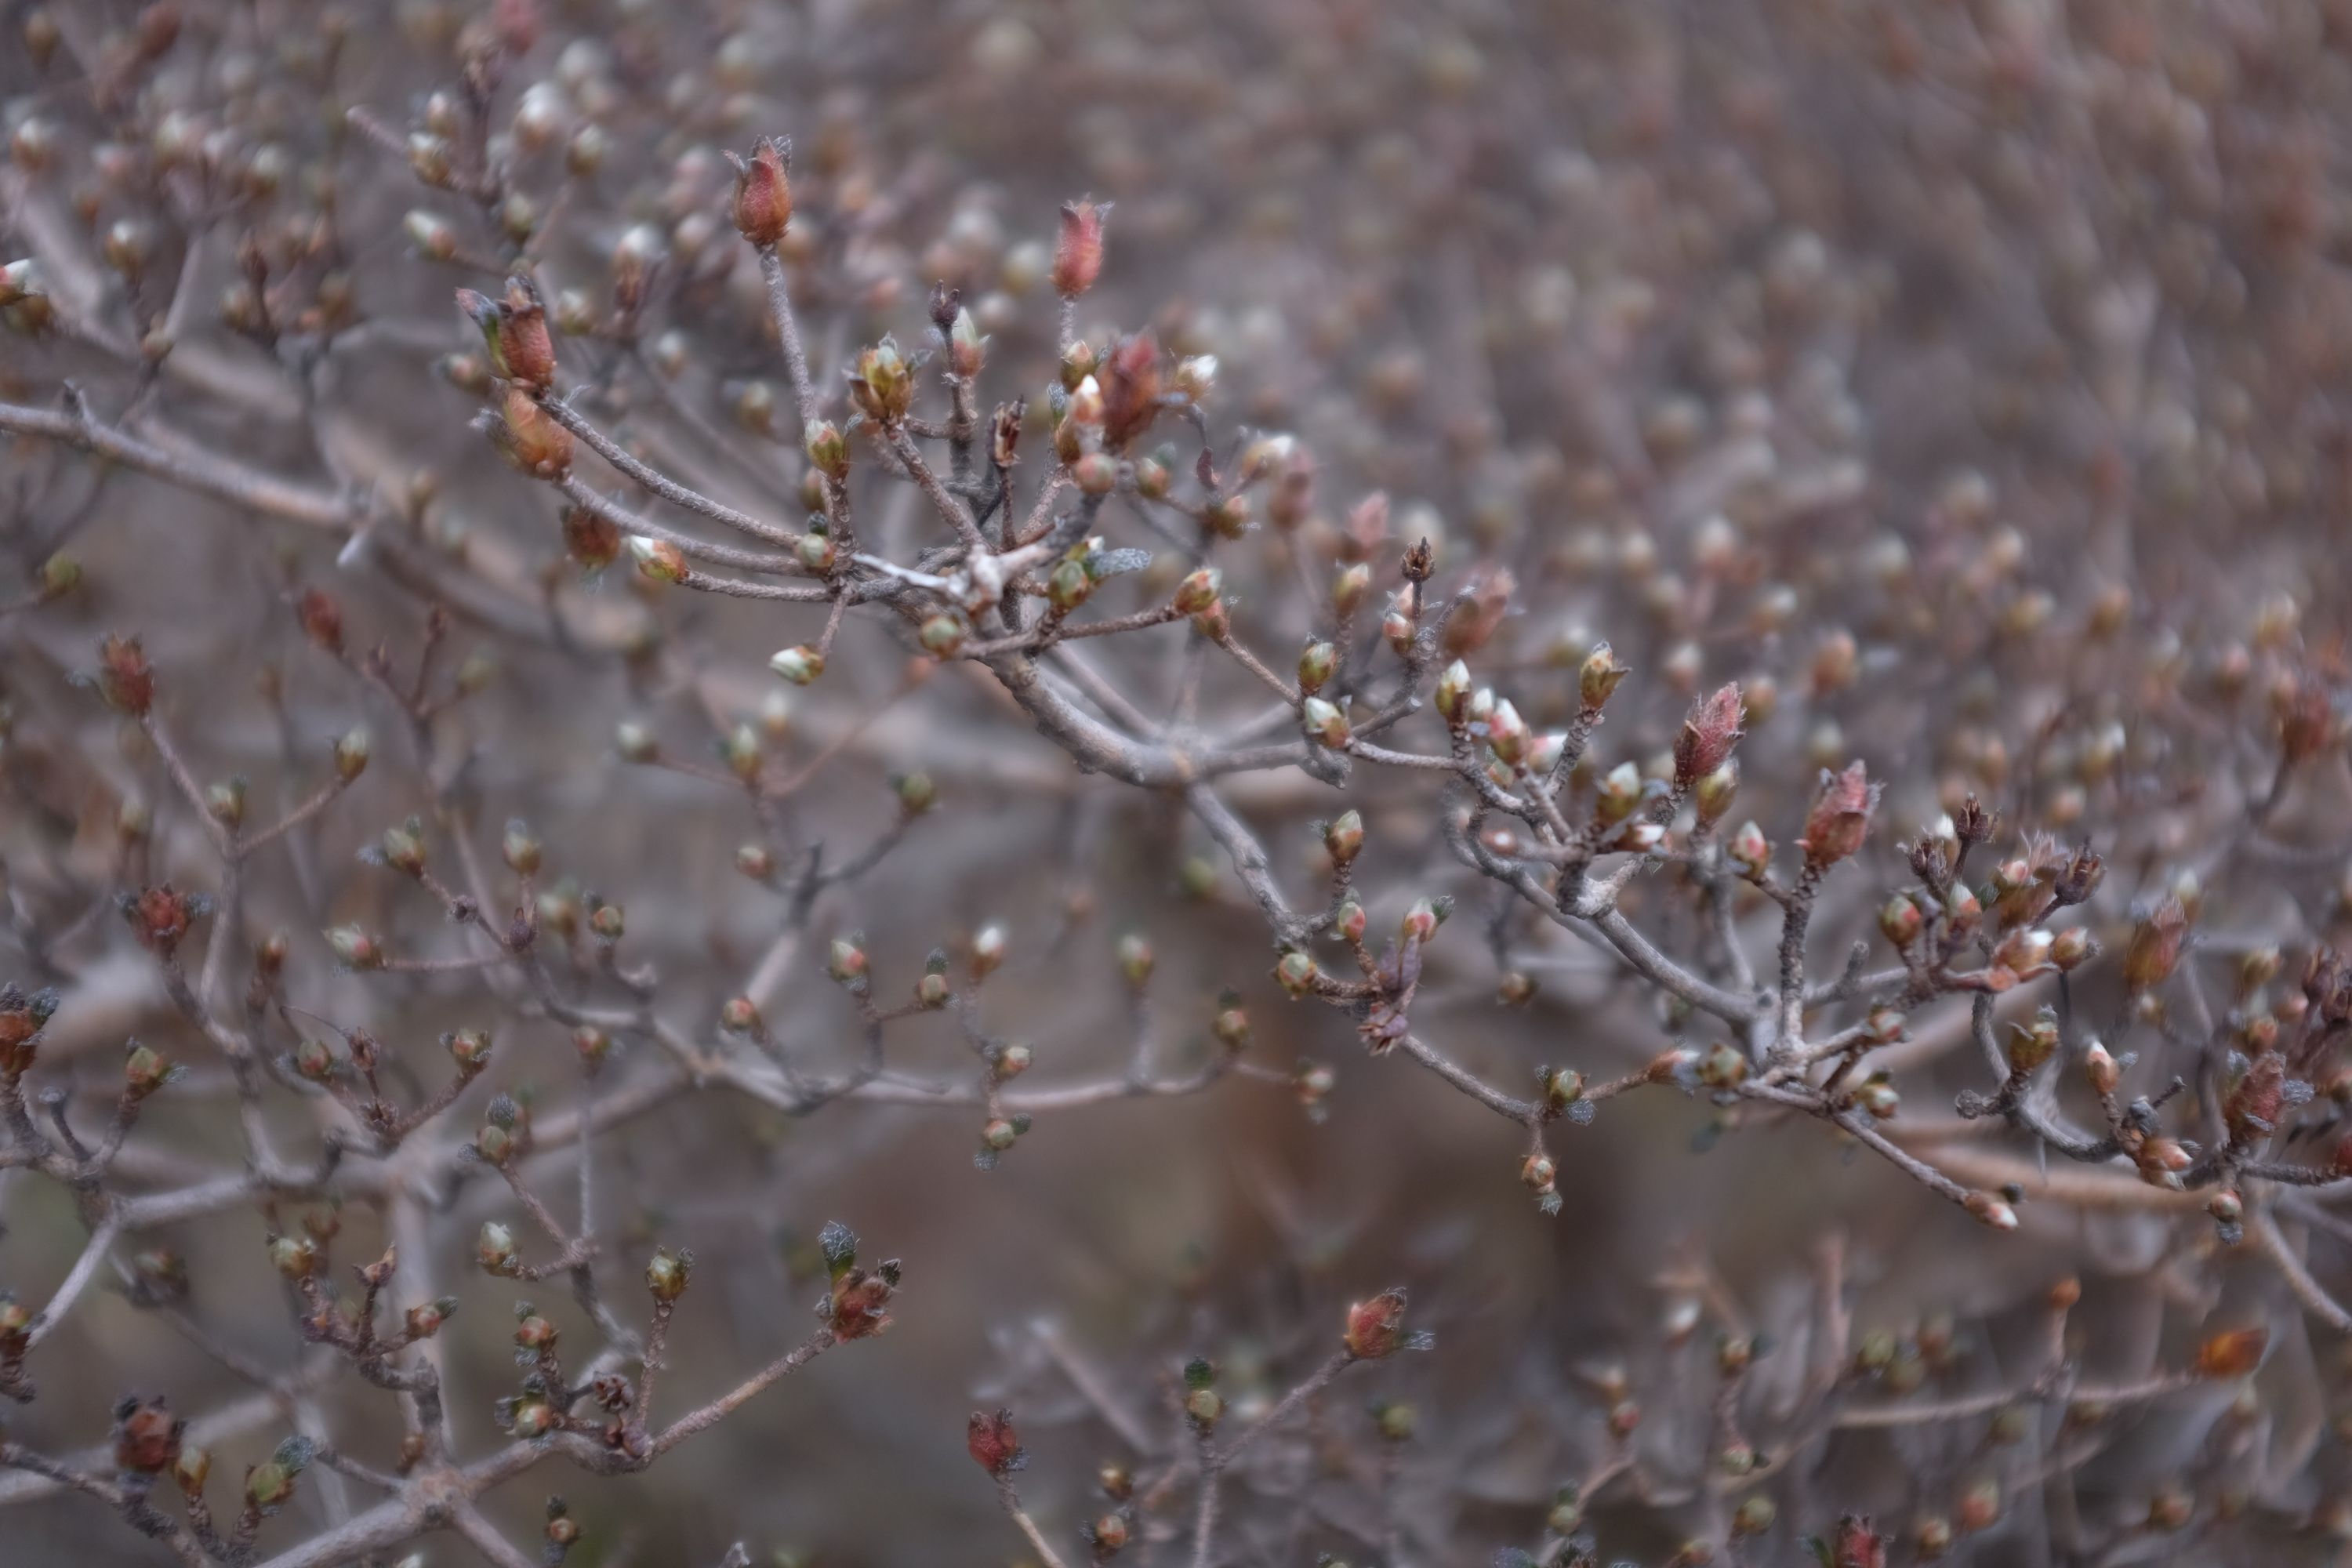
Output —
(667, 1275)
(1325, 722)
(2100, 1067)
(1349, 588)
(1198, 591)
(1454, 693)
(1991, 1210)
(1296, 972)
(800, 665)
(1599, 677)
(494, 1248)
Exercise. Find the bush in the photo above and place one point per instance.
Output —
(1716, 582)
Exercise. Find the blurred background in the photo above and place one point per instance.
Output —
(1748, 335)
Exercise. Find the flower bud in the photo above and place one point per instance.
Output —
(1343, 837)
(314, 1061)
(763, 192)
(966, 348)
(2022, 952)
(1750, 849)
(635, 742)
(1724, 1067)
(20, 280)
(494, 1248)
(2155, 947)
(1715, 791)
(1618, 793)
(987, 950)
(125, 678)
(530, 437)
(355, 948)
(1296, 972)
(1078, 247)
(295, 1256)
(801, 664)
(1454, 693)
(1599, 677)
(1900, 921)
(534, 1419)
(1991, 1210)
(144, 1070)
(1562, 1086)
(941, 636)
(2234, 1353)
(1325, 722)
(1507, 734)
(1198, 591)
(58, 576)
(2031, 1047)
(1539, 1174)
(667, 1275)
(1069, 586)
(1349, 924)
(468, 1048)
(828, 450)
(1375, 1329)
(1840, 818)
(992, 1442)
(431, 237)
(521, 850)
(1709, 733)
(882, 383)
(1318, 662)
(1349, 588)
(2101, 1068)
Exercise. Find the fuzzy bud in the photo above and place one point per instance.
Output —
(993, 1443)
(1840, 818)
(1078, 247)
(1710, 731)
(2155, 947)
(763, 192)
(1375, 1329)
